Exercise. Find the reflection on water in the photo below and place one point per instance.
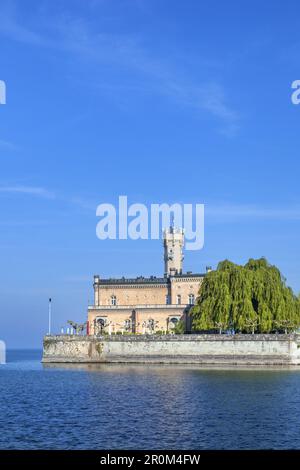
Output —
(141, 406)
(122, 368)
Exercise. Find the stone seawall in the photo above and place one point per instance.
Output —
(177, 349)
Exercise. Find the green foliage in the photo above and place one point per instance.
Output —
(179, 328)
(250, 298)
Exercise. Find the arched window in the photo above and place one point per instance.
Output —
(178, 299)
(113, 300)
(191, 299)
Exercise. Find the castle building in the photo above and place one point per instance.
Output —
(146, 305)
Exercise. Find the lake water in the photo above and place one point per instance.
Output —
(146, 406)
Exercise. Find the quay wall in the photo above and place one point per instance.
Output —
(178, 349)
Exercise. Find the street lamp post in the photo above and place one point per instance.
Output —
(49, 318)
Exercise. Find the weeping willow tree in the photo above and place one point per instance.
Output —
(248, 299)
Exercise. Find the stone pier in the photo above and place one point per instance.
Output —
(176, 349)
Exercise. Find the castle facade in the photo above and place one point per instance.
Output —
(146, 305)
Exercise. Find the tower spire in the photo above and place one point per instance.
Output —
(172, 226)
(173, 250)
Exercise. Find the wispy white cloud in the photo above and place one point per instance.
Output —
(218, 213)
(11, 28)
(245, 211)
(28, 190)
(7, 145)
(161, 76)
(168, 78)
(44, 193)
(24, 223)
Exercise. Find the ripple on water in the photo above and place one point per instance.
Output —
(146, 406)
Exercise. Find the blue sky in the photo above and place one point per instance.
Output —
(161, 100)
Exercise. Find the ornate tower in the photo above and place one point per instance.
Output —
(173, 250)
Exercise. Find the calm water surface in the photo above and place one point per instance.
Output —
(146, 407)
